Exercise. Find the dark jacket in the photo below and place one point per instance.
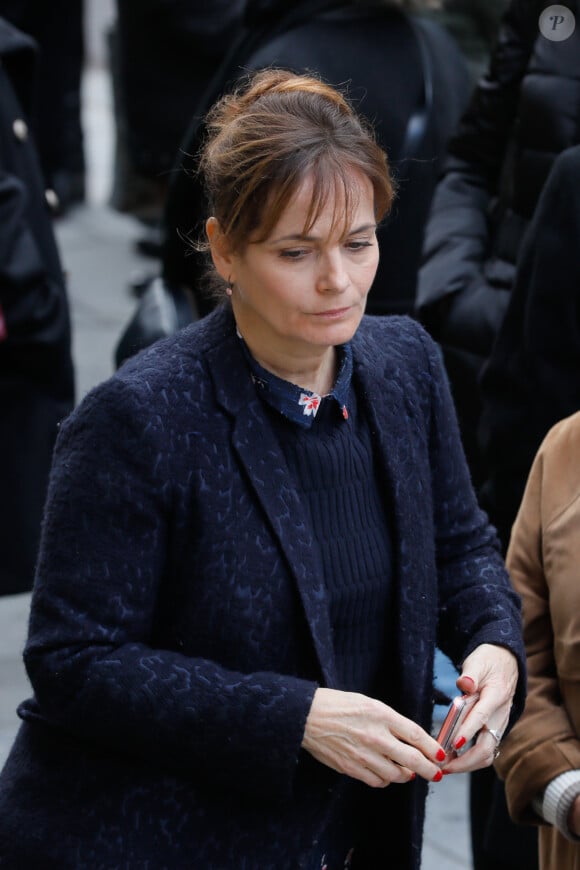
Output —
(474, 25)
(532, 378)
(166, 54)
(404, 73)
(179, 628)
(523, 113)
(36, 377)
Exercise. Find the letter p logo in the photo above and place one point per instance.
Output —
(557, 23)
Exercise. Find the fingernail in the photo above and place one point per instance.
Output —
(461, 742)
(440, 755)
(471, 680)
(446, 772)
(438, 776)
(412, 777)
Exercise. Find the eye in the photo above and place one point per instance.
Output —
(358, 244)
(293, 253)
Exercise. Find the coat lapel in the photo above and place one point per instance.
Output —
(262, 459)
(383, 394)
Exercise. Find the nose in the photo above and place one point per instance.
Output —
(332, 275)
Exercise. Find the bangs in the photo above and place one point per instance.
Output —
(334, 183)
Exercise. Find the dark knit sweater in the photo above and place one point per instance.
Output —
(332, 465)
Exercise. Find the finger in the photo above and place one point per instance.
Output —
(466, 684)
(414, 747)
(481, 754)
(410, 758)
(377, 771)
(486, 713)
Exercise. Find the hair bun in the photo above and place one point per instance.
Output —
(278, 81)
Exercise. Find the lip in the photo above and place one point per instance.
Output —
(333, 314)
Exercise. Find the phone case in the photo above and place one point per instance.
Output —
(458, 710)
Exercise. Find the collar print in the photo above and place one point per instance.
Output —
(310, 402)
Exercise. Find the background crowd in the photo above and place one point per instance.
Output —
(479, 113)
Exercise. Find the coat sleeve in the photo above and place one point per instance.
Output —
(543, 562)
(28, 295)
(90, 655)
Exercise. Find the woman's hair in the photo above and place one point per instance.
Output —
(273, 132)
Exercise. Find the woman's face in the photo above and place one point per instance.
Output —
(298, 293)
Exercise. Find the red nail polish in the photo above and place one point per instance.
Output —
(440, 755)
(446, 772)
(412, 777)
(438, 776)
(461, 742)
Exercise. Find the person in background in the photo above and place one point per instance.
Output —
(162, 57)
(524, 113)
(36, 370)
(256, 533)
(474, 25)
(530, 381)
(540, 760)
(57, 28)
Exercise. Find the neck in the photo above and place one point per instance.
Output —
(316, 372)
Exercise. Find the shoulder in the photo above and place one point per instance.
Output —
(558, 465)
(181, 356)
(394, 337)
(563, 440)
(397, 352)
(170, 377)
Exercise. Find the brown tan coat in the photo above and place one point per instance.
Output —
(544, 563)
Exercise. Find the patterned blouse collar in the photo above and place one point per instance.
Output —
(297, 404)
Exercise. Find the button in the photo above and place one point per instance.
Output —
(52, 199)
(20, 129)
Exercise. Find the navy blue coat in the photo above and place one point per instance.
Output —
(179, 628)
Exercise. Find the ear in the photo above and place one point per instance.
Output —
(219, 250)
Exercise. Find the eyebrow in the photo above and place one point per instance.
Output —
(298, 237)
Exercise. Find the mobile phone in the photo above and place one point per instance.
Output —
(458, 710)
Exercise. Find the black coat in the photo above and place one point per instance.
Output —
(524, 112)
(405, 73)
(532, 378)
(165, 54)
(36, 377)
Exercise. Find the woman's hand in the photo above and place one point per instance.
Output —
(493, 672)
(369, 741)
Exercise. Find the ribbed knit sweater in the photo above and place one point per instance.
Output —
(332, 464)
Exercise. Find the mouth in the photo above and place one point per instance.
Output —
(333, 314)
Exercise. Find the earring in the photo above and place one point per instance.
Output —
(230, 288)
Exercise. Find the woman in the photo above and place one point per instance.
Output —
(540, 760)
(256, 532)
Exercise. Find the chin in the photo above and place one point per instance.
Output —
(339, 333)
